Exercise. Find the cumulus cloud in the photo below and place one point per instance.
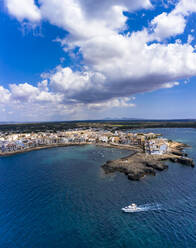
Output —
(24, 9)
(4, 95)
(167, 25)
(185, 7)
(116, 64)
(23, 92)
(171, 24)
(30, 94)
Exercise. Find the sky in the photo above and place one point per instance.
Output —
(96, 59)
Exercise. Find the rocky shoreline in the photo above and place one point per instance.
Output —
(140, 164)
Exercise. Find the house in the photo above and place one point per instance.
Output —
(115, 139)
(156, 146)
(103, 139)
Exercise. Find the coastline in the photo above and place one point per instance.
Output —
(136, 165)
(6, 154)
(117, 146)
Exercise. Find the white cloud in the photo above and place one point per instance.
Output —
(167, 25)
(190, 39)
(43, 86)
(30, 94)
(171, 24)
(23, 92)
(170, 85)
(4, 95)
(118, 102)
(185, 7)
(24, 9)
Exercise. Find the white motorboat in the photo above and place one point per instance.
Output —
(132, 208)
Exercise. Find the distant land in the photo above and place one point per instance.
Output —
(106, 124)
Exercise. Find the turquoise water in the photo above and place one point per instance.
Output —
(61, 198)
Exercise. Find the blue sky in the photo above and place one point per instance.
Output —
(65, 60)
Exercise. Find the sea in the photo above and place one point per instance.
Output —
(61, 198)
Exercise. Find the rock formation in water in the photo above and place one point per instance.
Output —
(140, 164)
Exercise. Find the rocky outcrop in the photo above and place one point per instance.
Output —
(178, 152)
(157, 165)
(139, 164)
(183, 160)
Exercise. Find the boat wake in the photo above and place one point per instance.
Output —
(150, 207)
(142, 208)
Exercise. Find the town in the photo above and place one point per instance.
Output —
(150, 143)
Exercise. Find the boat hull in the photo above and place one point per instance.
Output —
(131, 210)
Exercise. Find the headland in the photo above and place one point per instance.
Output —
(140, 164)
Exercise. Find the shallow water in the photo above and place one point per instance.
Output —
(61, 198)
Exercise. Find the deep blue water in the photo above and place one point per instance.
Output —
(61, 198)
